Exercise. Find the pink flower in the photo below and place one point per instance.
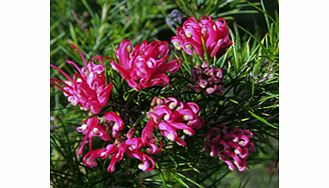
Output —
(231, 147)
(91, 129)
(148, 138)
(193, 35)
(130, 146)
(118, 124)
(88, 87)
(146, 65)
(133, 150)
(170, 115)
(207, 79)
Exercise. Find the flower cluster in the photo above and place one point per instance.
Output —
(146, 65)
(170, 115)
(209, 35)
(88, 87)
(208, 79)
(120, 145)
(231, 147)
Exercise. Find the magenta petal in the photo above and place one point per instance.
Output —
(111, 167)
(188, 130)
(147, 132)
(171, 66)
(230, 165)
(91, 124)
(116, 157)
(187, 114)
(193, 106)
(134, 143)
(163, 112)
(89, 158)
(132, 83)
(118, 123)
(196, 124)
(124, 72)
(157, 79)
(167, 131)
(123, 54)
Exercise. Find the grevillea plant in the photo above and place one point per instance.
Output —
(145, 65)
(88, 87)
(180, 113)
(206, 37)
(230, 146)
(117, 145)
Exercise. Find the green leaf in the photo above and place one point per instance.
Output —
(262, 119)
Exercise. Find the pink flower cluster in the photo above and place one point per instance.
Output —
(170, 115)
(119, 145)
(194, 36)
(231, 147)
(88, 87)
(146, 65)
(209, 79)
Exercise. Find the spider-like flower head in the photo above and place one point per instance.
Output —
(170, 116)
(88, 87)
(131, 146)
(232, 147)
(193, 36)
(145, 65)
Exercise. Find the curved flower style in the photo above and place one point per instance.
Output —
(208, 79)
(194, 36)
(231, 147)
(87, 87)
(149, 140)
(146, 65)
(170, 115)
(92, 128)
(118, 124)
(130, 146)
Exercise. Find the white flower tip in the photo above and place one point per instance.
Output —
(166, 117)
(171, 105)
(186, 117)
(177, 46)
(83, 127)
(189, 47)
(171, 137)
(115, 126)
(95, 130)
(236, 151)
(68, 82)
(149, 64)
(142, 166)
(231, 168)
(102, 154)
(187, 132)
(188, 34)
(128, 48)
